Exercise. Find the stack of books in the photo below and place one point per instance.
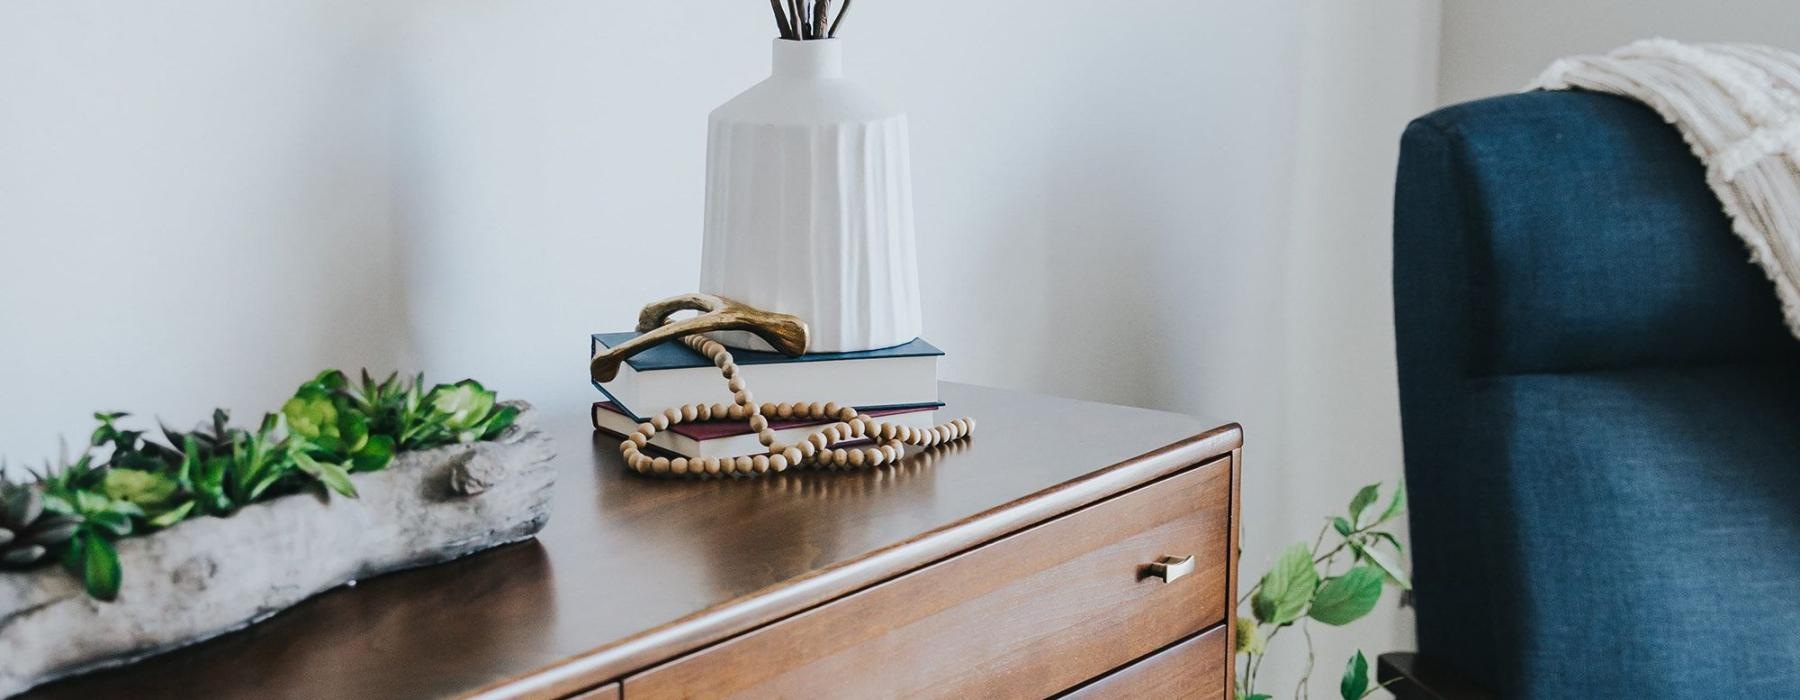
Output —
(897, 385)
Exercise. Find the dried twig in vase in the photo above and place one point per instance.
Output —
(781, 20)
(797, 19)
(839, 21)
(821, 18)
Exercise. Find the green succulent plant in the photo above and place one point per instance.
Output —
(28, 533)
(468, 411)
(329, 430)
(124, 484)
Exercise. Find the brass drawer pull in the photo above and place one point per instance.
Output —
(1170, 568)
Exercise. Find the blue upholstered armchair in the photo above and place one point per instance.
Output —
(1601, 410)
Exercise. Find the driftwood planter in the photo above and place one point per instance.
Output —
(208, 576)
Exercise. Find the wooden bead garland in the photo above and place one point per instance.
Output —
(815, 449)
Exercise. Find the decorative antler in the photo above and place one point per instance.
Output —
(786, 333)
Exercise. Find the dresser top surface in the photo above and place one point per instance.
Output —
(632, 569)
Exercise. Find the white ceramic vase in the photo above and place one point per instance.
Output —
(809, 205)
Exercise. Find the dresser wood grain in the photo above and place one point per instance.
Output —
(1024, 616)
(1190, 669)
(1006, 549)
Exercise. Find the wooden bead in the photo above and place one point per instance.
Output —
(817, 448)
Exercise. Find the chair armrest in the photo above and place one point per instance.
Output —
(1410, 676)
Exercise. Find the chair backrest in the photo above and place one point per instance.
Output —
(1535, 234)
(1581, 234)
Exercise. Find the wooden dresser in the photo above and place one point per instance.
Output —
(1029, 562)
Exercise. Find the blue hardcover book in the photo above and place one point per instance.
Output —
(672, 374)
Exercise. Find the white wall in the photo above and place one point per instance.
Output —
(1182, 206)
(1495, 47)
(195, 207)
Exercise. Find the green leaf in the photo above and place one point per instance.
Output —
(117, 523)
(334, 476)
(1385, 563)
(171, 517)
(1282, 594)
(76, 553)
(88, 502)
(330, 379)
(100, 569)
(1344, 599)
(1259, 696)
(1396, 506)
(1342, 526)
(353, 430)
(257, 489)
(502, 419)
(376, 454)
(1362, 500)
(1356, 677)
(23, 505)
(1398, 549)
(126, 508)
(58, 504)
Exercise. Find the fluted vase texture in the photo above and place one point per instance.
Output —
(809, 205)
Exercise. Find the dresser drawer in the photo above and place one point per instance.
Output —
(1194, 668)
(1028, 615)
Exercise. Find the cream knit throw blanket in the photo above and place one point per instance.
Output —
(1738, 107)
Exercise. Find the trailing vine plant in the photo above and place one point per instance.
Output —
(1334, 586)
(125, 484)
